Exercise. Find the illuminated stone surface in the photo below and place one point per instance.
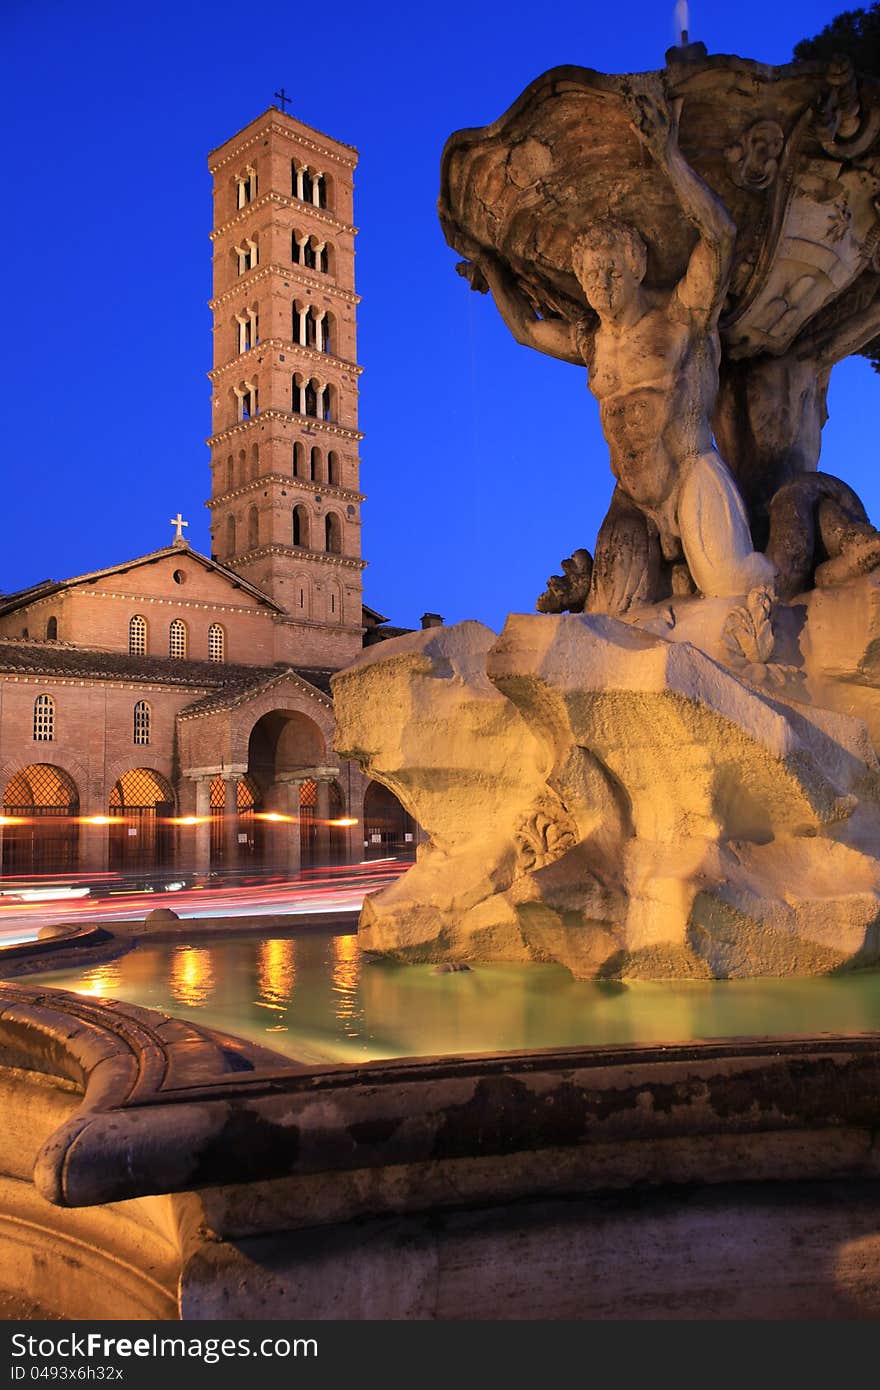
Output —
(650, 798)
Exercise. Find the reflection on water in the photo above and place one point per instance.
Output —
(192, 976)
(102, 982)
(321, 1000)
(346, 979)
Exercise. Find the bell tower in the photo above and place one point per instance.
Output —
(285, 502)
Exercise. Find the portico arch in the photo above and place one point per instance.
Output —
(40, 833)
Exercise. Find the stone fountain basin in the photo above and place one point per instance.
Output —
(733, 1179)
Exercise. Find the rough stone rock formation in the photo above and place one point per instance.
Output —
(684, 794)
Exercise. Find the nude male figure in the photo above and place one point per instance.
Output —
(653, 367)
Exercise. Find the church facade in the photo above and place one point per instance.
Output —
(175, 709)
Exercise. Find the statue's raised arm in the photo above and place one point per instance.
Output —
(553, 336)
(703, 287)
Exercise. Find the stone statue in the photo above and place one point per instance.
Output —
(568, 592)
(652, 361)
(643, 779)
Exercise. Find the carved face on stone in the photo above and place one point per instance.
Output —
(609, 262)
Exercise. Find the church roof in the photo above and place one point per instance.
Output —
(224, 682)
(10, 602)
(227, 696)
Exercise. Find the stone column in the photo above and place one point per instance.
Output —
(94, 838)
(230, 822)
(292, 860)
(319, 330)
(322, 816)
(316, 188)
(300, 171)
(303, 325)
(320, 401)
(201, 831)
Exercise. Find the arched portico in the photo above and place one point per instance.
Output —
(39, 832)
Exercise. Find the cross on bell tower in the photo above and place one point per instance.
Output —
(284, 99)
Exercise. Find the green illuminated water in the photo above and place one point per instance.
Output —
(317, 998)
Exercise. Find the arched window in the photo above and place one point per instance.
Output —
(323, 259)
(230, 535)
(311, 399)
(142, 722)
(216, 643)
(315, 466)
(332, 534)
(333, 468)
(137, 636)
(253, 528)
(52, 630)
(300, 526)
(298, 455)
(230, 473)
(327, 334)
(255, 462)
(177, 638)
(44, 719)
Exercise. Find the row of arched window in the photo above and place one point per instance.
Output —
(307, 184)
(310, 327)
(309, 252)
(313, 397)
(309, 465)
(301, 533)
(309, 396)
(44, 721)
(178, 638)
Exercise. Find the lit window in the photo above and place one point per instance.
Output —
(142, 722)
(44, 719)
(177, 638)
(216, 643)
(137, 636)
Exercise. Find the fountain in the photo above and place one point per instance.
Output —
(669, 770)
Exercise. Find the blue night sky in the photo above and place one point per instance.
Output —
(483, 462)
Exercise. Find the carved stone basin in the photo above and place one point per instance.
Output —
(789, 150)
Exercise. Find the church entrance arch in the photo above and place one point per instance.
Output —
(39, 832)
(286, 750)
(141, 837)
(389, 829)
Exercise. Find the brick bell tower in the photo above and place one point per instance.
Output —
(285, 501)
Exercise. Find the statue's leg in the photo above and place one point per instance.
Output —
(628, 564)
(715, 532)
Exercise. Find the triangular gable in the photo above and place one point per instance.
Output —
(23, 597)
(235, 699)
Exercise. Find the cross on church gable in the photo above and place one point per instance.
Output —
(179, 522)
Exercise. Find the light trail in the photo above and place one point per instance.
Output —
(26, 906)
